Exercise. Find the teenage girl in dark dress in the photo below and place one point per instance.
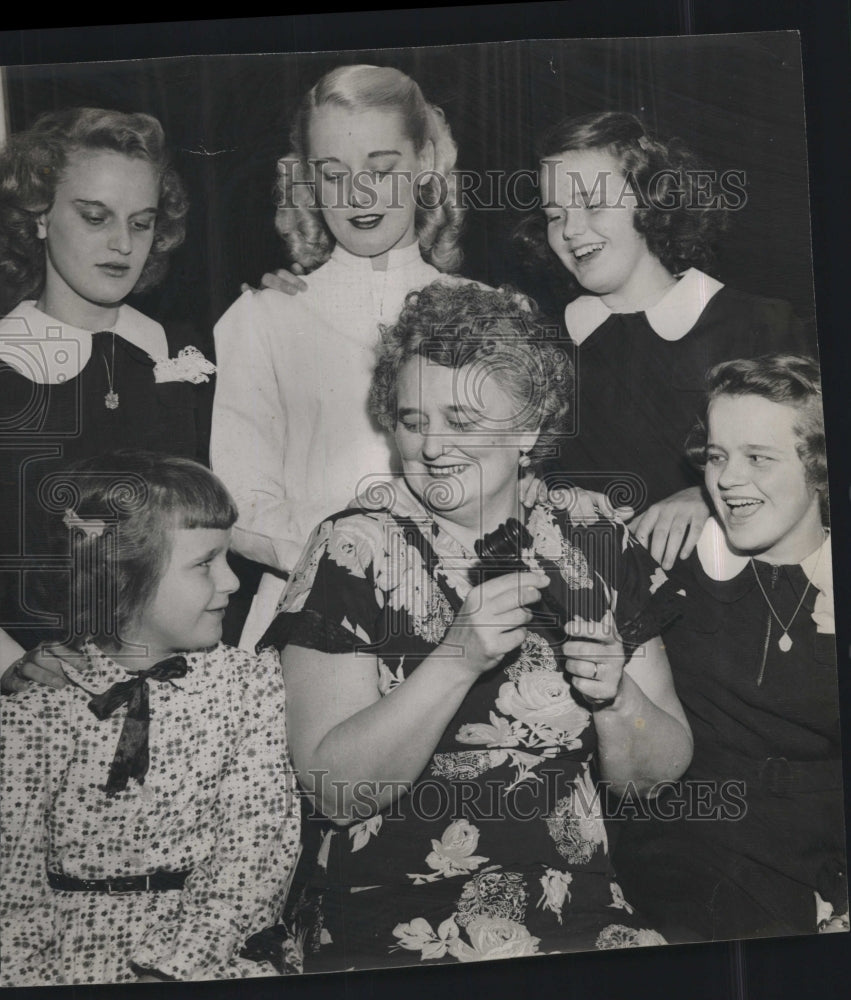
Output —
(625, 217)
(90, 211)
(752, 842)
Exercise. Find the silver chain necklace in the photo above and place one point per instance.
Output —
(785, 642)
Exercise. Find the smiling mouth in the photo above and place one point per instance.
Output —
(442, 471)
(586, 252)
(741, 508)
(366, 221)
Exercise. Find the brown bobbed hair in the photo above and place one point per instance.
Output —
(114, 515)
(679, 219)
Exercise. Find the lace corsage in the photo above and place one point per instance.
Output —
(190, 365)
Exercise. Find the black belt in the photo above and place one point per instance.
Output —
(155, 882)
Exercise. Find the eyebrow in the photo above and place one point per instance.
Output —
(208, 555)
(469, 411)
(759, 447)
(370, 156)
(100, 204)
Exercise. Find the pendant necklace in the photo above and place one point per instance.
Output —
(111, 398)
(784, 642)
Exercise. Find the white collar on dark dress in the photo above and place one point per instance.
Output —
(48, 352)
(671, 317)
(720, 563)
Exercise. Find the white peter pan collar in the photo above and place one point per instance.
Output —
(34, 343)
(671, 317)
(720, 563)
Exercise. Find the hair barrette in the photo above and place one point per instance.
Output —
(92, 527)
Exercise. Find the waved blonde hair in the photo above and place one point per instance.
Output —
(439, 215)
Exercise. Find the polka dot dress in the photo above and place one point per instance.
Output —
(218, 799)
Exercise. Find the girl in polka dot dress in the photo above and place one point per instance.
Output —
(149, 822)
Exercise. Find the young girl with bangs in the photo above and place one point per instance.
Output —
(149, 821)
(366, 203)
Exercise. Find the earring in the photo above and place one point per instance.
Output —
(524, 460)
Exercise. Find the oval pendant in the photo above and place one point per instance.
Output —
(784, 642)
(111, 400)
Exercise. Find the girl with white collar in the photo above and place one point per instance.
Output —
(632, 221)
(754, 661)
(366, 202)
(90, 212)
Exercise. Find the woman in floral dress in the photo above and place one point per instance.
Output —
(452, 752)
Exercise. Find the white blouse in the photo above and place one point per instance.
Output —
(291, 436)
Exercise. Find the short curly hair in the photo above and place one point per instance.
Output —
(31, 166)
(454, 323)
(790, 379)
(679, 219)
(439, 214)
(134, 499)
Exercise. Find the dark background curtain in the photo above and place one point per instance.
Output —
(737, 101)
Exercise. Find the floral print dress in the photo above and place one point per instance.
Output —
(499, 848)
(218, 799)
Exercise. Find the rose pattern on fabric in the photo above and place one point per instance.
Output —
(470, 764)
(544, 701)
(303, 576)
(493, 938)
(576, 824)
(556, 891)
(618, 901)
(388, 680)
(360, 833)
(621, 936)
(500, 732)
(535, 654)
(658, 579)
(546, 536)
(453, 853)
(549, 543)
(402, 579)
(493, 894)
(490, 938)
(547, 886)
(464, 766)
(351, 545)
(418, 935)
(573, 567)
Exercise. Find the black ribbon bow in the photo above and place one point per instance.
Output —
(132, 756)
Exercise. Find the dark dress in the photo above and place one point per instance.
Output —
(43, 428)
(759, 825)
(638, 395)
(499, 849)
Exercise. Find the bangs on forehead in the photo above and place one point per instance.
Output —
(204, 508)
